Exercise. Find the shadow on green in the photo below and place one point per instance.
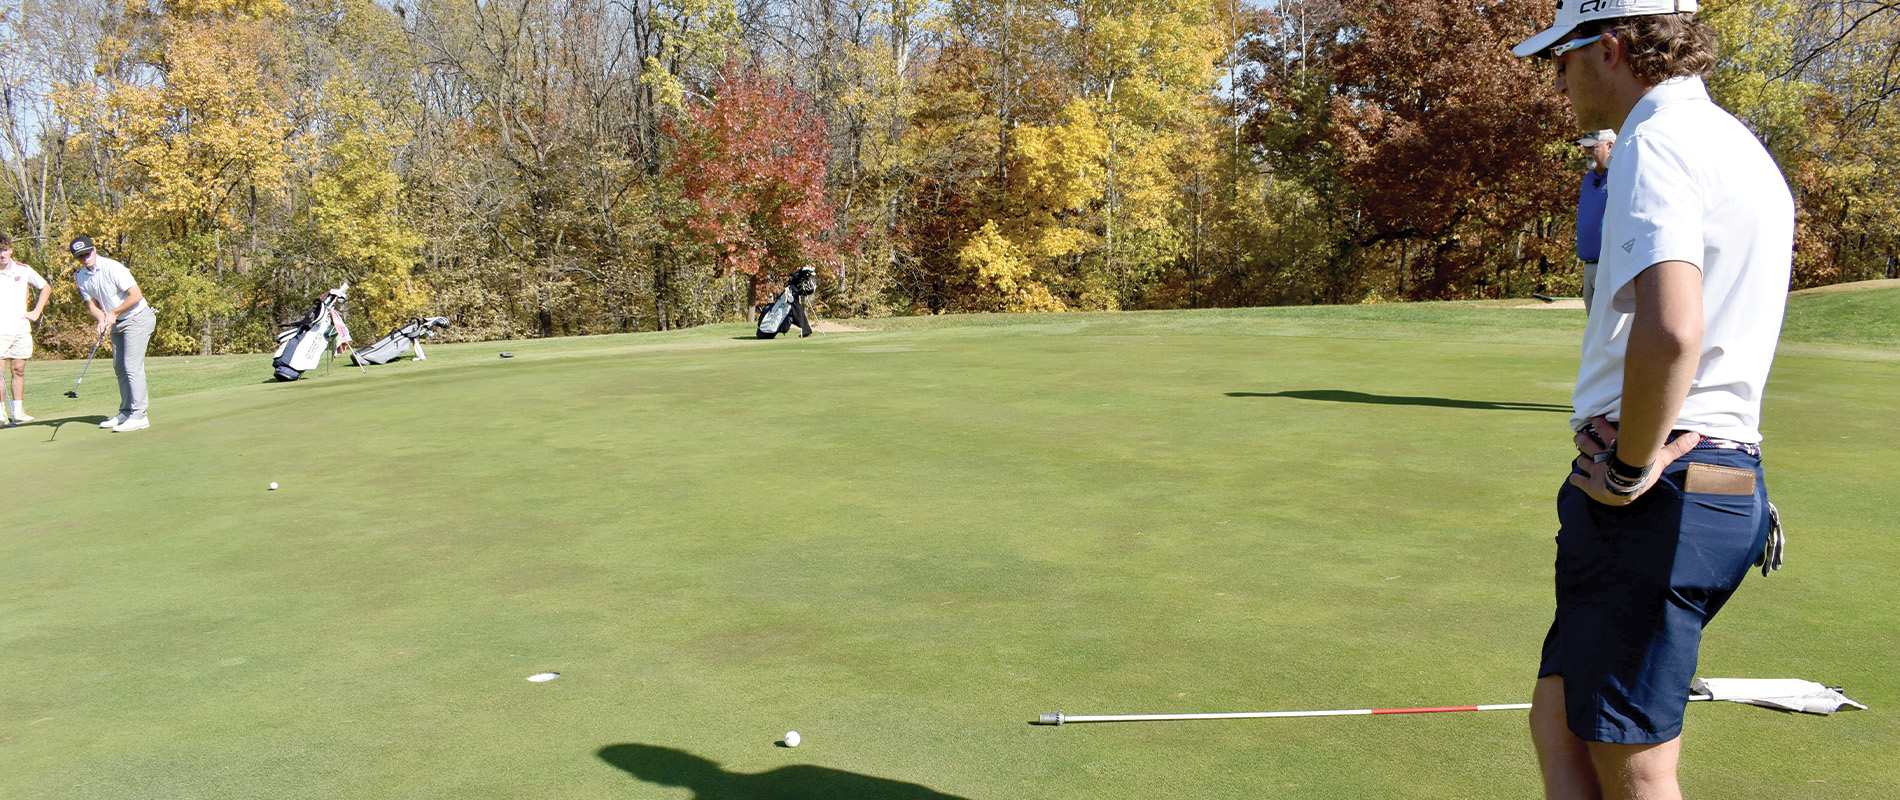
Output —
(666, 766)
(1338, 396)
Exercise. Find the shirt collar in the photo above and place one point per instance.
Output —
(1669, 92)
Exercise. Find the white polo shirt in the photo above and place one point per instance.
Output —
(1690, 183)
(107, 283)
(15, 282)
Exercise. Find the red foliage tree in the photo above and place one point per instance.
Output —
(752, 165)
(1453, 143)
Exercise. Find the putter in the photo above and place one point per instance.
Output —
(74, 392)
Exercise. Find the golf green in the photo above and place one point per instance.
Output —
(903, 543)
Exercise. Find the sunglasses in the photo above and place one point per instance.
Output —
(1574, 44)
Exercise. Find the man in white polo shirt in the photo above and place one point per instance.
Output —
(118, 306)
(1665, 509)
(16, 327)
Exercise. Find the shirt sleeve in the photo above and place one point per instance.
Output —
(1665, 212)
(121, 279)
(34, 278)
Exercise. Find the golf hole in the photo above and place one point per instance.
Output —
(544, 677)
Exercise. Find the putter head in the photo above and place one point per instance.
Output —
(73, 393)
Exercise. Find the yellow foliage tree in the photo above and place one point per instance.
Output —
(1751, 76)
(1090, 196)
(353, 217)
(1054, 176)
(200, 153)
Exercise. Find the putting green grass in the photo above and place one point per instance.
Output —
(904, 544)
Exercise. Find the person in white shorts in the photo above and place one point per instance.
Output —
(16, 327)
(118, 306)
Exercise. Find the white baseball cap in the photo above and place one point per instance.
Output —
(1571, 13)
(1592, 138)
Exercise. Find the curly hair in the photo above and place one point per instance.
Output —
(1664, 46)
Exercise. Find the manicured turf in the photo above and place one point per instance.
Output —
(905, 544)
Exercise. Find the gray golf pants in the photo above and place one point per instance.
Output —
(130, 335)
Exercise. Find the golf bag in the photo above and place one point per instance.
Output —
(790, 306)
(399, 341)
(300, 346)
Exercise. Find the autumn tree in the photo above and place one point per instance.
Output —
(752, 164)
(201, 157)
(1844, 172)
(855, 60)
(1456, 148)
(1078, 110)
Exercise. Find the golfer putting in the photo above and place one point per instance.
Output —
(119, 310)
(1665, 509)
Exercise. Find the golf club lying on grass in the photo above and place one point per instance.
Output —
(74, 392)
(1785, 694)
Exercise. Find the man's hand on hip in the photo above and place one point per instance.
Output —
(1595, 450)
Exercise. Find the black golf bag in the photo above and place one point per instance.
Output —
(790, 305)
(300, 347)
(399, 341)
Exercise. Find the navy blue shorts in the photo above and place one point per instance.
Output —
(1636, 584)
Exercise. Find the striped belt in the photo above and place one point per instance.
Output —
(1707, 443)
(1712, 443)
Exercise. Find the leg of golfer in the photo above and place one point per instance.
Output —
(1665, 507)
(129, 339)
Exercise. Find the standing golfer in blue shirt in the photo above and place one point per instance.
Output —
(1591, 199)
(1665, 509)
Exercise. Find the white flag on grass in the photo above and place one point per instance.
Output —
(1790, 694)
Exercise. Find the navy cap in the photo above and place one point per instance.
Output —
(81, 246)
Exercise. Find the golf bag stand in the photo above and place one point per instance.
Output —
(301, 345)
(789, 308)
(411, 334)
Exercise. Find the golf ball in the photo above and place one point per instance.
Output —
(791, 738)
(273, 486)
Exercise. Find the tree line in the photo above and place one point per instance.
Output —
(563, 167)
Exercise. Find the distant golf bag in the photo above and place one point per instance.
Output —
(300, 347)
(399, 341)
(790, 306)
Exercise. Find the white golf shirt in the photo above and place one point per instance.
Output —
(15, 282)
(1690, 183)
(107, 283)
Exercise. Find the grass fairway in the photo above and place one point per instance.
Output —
(905, 544)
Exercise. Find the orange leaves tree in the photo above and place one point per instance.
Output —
(751, 166)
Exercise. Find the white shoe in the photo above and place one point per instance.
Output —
(133, 424)
(114, 422)
(21, 418)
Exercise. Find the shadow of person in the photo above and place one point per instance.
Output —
(1339, 396)
(665, 766)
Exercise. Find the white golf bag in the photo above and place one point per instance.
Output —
(390, 347)
(301, 345)
(789, 308)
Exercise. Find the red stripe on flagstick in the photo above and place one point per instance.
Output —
(1422, 710)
